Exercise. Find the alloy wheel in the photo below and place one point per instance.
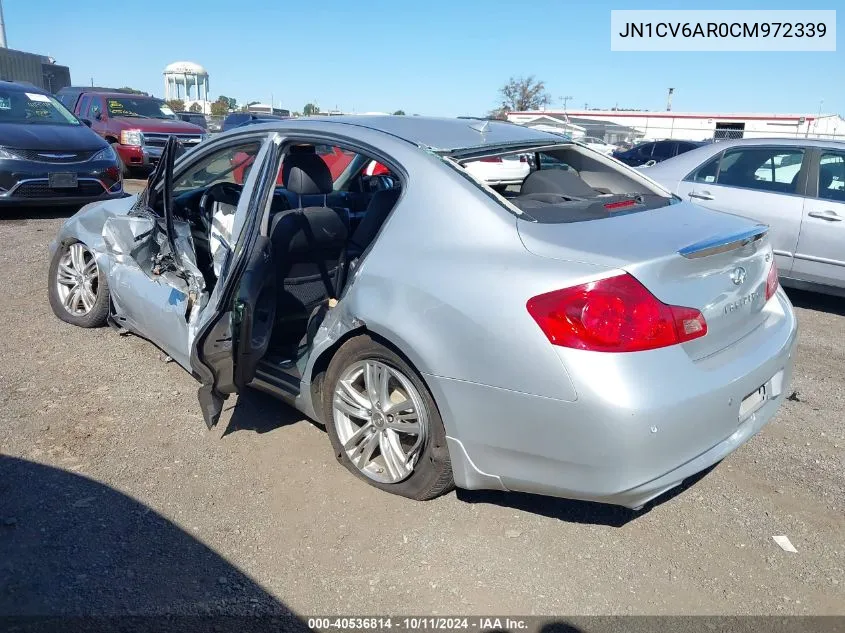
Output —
(380, 419)
(76, 280)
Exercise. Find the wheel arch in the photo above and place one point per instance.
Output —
(314, 379)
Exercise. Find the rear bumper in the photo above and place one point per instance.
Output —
(638, 427)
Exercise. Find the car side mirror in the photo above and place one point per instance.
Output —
(86, 122)
(99, 116)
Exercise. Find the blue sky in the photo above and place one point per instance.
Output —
(437, 57)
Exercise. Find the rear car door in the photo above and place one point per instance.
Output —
(764, 183)
(820, 255)
(233, 333)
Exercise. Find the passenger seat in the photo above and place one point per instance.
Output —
(308, 247)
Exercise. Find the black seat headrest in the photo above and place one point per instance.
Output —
(825, 177)
(304, 230)
(306, 174)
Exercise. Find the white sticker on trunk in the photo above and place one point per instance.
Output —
(34, 96)
(5, 103)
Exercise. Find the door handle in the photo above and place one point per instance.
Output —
(704, 195)
(828, 215)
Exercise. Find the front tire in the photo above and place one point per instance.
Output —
(382, 422)
(77, 288)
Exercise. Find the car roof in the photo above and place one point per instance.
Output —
(437, 134)
(682, 164)
(21, 87)
(113, 93)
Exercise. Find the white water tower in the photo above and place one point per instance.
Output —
(187, 81)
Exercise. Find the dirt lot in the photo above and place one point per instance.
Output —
(114, 498)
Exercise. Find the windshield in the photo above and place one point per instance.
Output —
(139, 107)
(33, 107)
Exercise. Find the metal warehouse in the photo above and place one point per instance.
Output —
(625, 125)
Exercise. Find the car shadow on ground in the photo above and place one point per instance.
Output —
(21, 215)
(70, 546)
(816, 301)
(260, 412)
(571, 511)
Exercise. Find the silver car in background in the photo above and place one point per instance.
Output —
(583, 335)
(796, 186)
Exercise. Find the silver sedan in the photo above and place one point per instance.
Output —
(582, 334)
(796, 186)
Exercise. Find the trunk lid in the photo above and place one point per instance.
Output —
(686, 256)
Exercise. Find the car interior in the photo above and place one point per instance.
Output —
(569, 185)
(320, 225)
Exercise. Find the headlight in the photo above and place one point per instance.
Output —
(107, 153)
(4, 153)
(131, 137)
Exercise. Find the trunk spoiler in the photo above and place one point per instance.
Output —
(724, 243)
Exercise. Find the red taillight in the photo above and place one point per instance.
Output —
(772, 281)
(523, 159)
(617, 314)
(620, 204)
(492, 159)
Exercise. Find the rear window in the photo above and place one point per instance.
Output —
(762, 168)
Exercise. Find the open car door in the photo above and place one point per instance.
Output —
(235, 328)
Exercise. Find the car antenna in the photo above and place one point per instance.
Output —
(481, 126)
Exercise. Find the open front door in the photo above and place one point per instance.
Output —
(234, 332)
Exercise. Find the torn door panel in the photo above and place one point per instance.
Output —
(151, 296)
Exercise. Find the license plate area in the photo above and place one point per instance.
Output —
(752, 402)
(61, 180)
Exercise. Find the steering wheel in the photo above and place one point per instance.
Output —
(225, 192)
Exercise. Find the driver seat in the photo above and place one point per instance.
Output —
(308, 247)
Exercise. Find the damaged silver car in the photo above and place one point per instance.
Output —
(582, 334)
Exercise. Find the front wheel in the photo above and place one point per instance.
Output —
(382, 422)
(77, 288)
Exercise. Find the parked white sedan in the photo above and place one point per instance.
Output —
(796, 186)
(500, 170)
(597, 144)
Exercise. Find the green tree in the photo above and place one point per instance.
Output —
(132, 91)
(522, 93)
(231, 102)
(310, 109)
(399, 113)
(177, 105)
(220, 107)
(195, 107)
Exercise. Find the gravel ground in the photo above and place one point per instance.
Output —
(114, 498)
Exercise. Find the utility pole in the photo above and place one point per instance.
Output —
(565, 99)
(2, 27)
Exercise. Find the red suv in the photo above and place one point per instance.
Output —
(137, 126)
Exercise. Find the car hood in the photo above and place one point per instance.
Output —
(163, 126)
(49, 137)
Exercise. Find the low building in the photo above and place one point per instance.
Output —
(624, 125)
(31, 68)
(266, 108)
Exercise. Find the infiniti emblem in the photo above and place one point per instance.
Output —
(738, 275)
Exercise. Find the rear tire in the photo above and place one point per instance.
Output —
(77, 289)
(399, 445)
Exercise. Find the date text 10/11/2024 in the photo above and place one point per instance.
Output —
(427, 623)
